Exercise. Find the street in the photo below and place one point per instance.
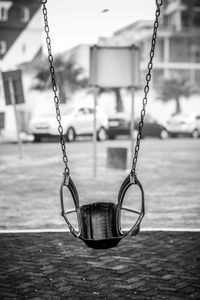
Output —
(169, 171)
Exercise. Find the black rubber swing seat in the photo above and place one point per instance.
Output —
(100, 223)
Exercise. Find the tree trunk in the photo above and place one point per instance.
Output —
(178, 107)
(61, 89)
(62, 96)
(119, 102)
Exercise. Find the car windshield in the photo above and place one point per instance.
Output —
(65, 110)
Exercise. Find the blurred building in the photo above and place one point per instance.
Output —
(177, 49)
(20, 31)
(178, 44)
(81, 55)
(20, 43)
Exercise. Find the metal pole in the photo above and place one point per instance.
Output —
(12, 98)
(132, 129)
(192, 61)
(95, 135)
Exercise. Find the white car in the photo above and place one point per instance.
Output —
(184, 124)
(76, 121)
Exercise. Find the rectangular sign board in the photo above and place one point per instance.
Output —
(15, 78)
(112, 67)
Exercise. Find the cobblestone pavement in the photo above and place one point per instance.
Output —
(153, 265)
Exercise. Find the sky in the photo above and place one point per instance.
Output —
(74, 22)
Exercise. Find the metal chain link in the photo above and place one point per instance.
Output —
(54, 88)
(146, 88)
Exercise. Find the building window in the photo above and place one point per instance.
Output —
(2, 47)
(3, 14)
(25, 14)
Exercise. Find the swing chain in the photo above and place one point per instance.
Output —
(146, 88)
(55, 89)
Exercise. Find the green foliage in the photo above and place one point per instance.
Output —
(174, 89)
(118, 98)
(69, 77)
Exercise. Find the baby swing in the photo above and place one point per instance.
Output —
(100, 223)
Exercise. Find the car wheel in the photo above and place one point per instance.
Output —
(70, 135)
(102, 134)
(37, 138)
(195, 133)
(164, 134)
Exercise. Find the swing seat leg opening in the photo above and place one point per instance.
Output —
(99, 225)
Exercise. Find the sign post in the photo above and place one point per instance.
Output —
(114, 67)
(95, 134)
(135, 82)
(13, 90)
(2, 121)
(12, 98)
(132, 129)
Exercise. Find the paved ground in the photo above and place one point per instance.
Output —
(153, 265)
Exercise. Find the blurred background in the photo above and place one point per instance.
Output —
(74, 27)
(173, 110)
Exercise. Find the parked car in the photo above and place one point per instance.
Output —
(185, 124)
(76, 121)
(120, 123)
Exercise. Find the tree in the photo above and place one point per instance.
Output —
(174, 89)
(69, 77)
(118, 98)
(119, 102)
